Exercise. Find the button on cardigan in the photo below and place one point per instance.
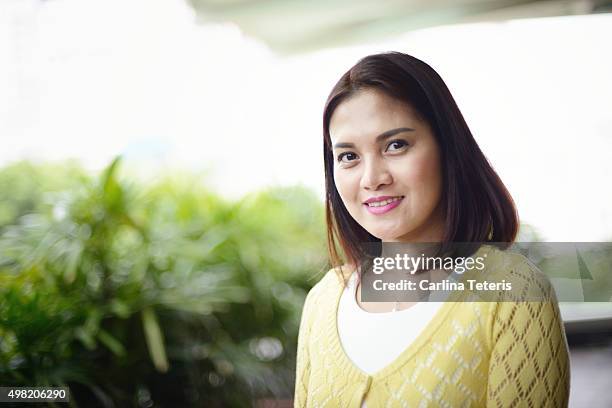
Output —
(471, 354)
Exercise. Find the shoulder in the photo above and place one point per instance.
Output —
(528, 282)
(329, 283)
(325, 288)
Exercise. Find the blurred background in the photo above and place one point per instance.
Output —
(161, 176)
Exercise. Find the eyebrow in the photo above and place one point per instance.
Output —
(379, 138)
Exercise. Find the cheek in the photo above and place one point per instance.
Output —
(423, 175)
(344, 185)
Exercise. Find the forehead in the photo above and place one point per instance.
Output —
(368, 113)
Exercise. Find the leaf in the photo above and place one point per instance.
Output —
(108, 177)
(112, 343)
(72, 263)
(85, 338)
(120, 308)
(112, 190)
(155, 340)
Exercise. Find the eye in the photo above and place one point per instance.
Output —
(396, 145)
(347, 155)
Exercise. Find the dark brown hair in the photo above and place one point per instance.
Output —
(477, 206)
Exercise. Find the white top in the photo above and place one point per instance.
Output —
(373, 340)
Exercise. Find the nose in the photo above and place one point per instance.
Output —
(375, 175)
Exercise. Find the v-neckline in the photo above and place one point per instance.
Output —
(408, 353)
(405, 355)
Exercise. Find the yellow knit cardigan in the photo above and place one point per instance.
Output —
(471, 354)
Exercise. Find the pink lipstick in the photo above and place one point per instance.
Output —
(383, 204)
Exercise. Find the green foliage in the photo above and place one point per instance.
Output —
(26, 188)
(164, 294)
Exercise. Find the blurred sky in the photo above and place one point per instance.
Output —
(93, 79)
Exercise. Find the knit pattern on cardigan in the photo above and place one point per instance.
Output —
(471, 354)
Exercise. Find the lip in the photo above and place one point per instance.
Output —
(385, 208)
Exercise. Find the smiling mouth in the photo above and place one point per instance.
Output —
(384, 202)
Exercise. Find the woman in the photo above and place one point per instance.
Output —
(402, 166)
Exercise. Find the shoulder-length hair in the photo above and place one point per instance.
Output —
(478, 207)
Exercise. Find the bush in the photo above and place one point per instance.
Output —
(164, 294)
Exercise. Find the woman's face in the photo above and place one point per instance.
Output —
(387, 168)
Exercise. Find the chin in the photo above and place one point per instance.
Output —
(385, 235)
